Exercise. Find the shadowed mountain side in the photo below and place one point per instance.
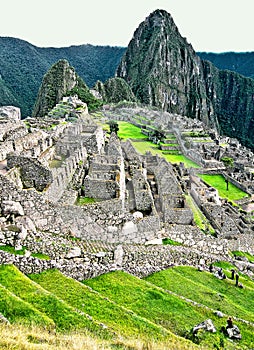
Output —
(23, 66)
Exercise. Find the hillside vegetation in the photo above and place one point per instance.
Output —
(119, 311)
(23, 66)
(240, 62)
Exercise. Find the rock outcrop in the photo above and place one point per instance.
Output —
(60, 79)
(115, 90)
(163, 70)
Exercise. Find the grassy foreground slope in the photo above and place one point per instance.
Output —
(167, 307)
(204, 288)
(63, 315)
(81, 297)
(17, 310)
(125, 312)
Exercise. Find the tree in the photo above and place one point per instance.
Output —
(113, 126)
(228, 162)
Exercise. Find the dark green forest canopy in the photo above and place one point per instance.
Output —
(23, 66)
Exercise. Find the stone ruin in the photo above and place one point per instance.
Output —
(48, 164)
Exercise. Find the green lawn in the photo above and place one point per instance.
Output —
(59, 312)
(81, 297)
(218, 182)
(144, 146)
(205, 288)
(208, 290)
(85, 200)
(169, 310)
(19, 311)
(127, 131)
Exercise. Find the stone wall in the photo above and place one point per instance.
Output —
(137, 260)
(32, 172)
(192, 237)
(103, 189)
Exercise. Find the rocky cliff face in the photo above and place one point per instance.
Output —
(115, 90)
(163, 70)
(60, 79)
(232, 96)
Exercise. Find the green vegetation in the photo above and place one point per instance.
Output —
(115, 90)
(244, 254)
(23, 66)
(218, 182)
(85, 95)
(199, 218)
(40, 256)
(129, 131)
(61, 314)
(206, 289)
(113, 126)
(154, 308)
(9, 249)
(228, 162)
(85, 200)
(19, 311)
(174, 313)
(169, 241)
(120, 320)
(194, 134)
(144, 146)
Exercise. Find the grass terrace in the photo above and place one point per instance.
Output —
(218, 181)
(165, 306)
(79, 296)
(199, 218)
(172, 157)
(142, 145)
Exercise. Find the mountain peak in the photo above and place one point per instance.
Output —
(163, 69)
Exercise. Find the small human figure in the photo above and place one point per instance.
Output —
(211, 268)
(229, 323)
(236, 279)
(220, 273)
(232, 274)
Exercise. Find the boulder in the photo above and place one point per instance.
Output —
(12, 208)
(234, 333)
(207, 325)
(74, 253)
(10, 113)
(26, 223)
(3, 319)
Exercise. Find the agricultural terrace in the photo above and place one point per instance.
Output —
(130, 131)
(174, 157)
(218, 181)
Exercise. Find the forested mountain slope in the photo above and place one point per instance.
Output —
(23, 65)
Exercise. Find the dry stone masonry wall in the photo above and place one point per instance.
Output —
(46, 166)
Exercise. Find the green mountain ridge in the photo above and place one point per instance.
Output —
(239, 62)
(23, 65)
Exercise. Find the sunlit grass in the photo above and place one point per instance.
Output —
(199, 218)
(85, 200)
(81, 297)
(143, 146)
(218, 181)
(164, 308)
